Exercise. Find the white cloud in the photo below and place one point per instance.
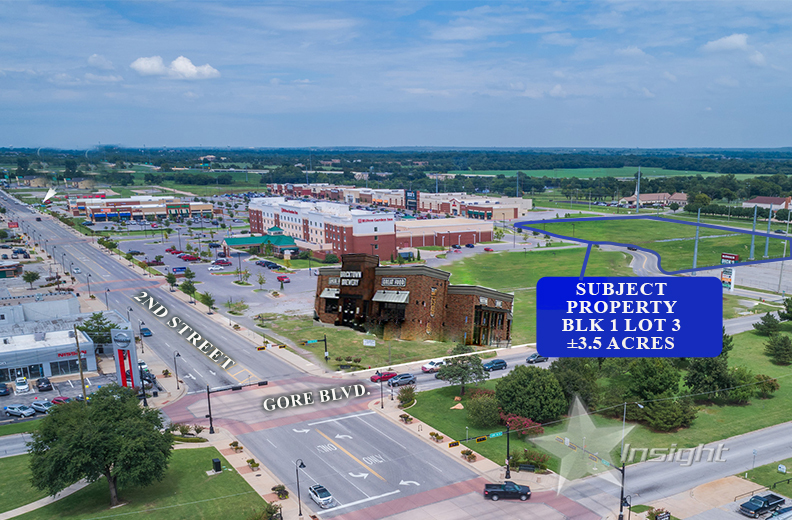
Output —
(110, 78)
(648, 93)
(564, 39)
(670, 77)
(735, 42)
(757, 58)
(557, 91)
(100, 62)
(631, 51)
(180, 68)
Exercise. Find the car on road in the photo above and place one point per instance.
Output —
(321, 496)
(20, 410)
(780, 231)
(216, 268)
(506, 490)
(495, 364)
(4, 390)
(21, 385)
(382, 376)
(432, 366)
(470, 246)
(402, 379)
(42, 406)
(134, 252)
(284, 279)
(38, 219)
(535, 358)
(488, 249)
(43, 384)
(145, 332)
(632, 248)
(77, 270)
(60, 400)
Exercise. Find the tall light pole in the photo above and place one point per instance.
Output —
(107, 301)
(88, 280)
(140, 331)
(299, 464)
(621, 455)
(176, 368)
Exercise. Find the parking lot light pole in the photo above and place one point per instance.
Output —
(88, 279)
(300, 465)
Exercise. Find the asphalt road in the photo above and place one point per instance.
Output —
(11, 445)
(359, 457)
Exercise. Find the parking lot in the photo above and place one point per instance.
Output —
(70, 388)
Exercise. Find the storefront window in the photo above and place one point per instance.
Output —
(331, 306)
(62, 368)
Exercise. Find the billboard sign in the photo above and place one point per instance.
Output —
(728, 258)
(12, 224)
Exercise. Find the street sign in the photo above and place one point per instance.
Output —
(311, 341)
(281, 346)
(481, 439)
(496, 434)
(369, 343)
(263, 347)
(453, 444)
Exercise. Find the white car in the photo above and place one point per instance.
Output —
(22, 385)
(77, 270)
(432, 366)
(216, 268)
(321, 496)
(142, 364)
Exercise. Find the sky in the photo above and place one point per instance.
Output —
(624, 74)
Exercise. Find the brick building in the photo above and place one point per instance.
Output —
(412, 303)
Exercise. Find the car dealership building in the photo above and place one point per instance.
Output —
(411, 303)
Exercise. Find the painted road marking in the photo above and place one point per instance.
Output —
(342, 506)
(350, 455)
(341, 418)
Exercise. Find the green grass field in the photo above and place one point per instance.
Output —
(18, 427)
(676, 254)
(733, 306)
(185, 492)
(588, 173)
(16, 470)
(768, 475)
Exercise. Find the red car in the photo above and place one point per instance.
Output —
(60, 400)
(488, 249)
(222, 262)
(382, 376)
(170, 250)
(154, 224)
(284, 279)
(189, 258)
(175, 252)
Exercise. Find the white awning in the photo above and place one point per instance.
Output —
(392, 296)
(330, 293)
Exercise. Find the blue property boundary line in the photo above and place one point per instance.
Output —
(530, 226)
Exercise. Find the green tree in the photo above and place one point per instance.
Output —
(669, 414)
(3, 233)
(768, 325)
(744, 386)
(786, 314)
(114, 438)
(710, 375)
(129, 257)
(268, 248)
(188, 288)
(30, 277)
(498, 234)
(766, 385)
(158, 258)
(245, 275)
(171, 279)
(261, 280)
(577, 377)
(483, 411)
(270, 511)
(653, 377)
(702, 199)
(208, 300)
(673, 207)
(462, 370)
(189, 274)
(331, 259)
(779, 348)
(98, 328)
(287, 263)
(531, 392)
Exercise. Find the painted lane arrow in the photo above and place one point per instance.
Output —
(339, 436)
(408, 482)
(360, 475)
(300, 431)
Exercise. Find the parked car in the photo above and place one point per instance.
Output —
(432, 366)
(495, 364)
(222, 262)
(20, 410)
(145, 332)
(143, 365)
(21, 385)
(284, 279)
(4, 390)
(221, 255)
(321, 496)
(488, 249)
(170, 250)
(402, 379)
(216, 268)
(213, 245)
(77, 270)
(535, 358)
(42, 406)
(43, 384)
(506, 490)
(87, 223)
(60, 400)
(175, 252)
(757, 506)
(135, 252)
(456, 246)
(14, 256)
(4, 256)
(470, 246)
(190, 258)
(153, 224)
(382, 376)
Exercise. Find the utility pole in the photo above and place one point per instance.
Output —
(638, 193)
(695, 245)
(767, 238)
(79, 363)
(753, 236)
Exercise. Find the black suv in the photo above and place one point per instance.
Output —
(43, 384)
(402, 379)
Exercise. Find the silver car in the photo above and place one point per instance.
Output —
(321, 496)
(42, 406)
(20, 410)
(21, 385)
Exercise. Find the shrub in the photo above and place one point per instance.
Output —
(348, 358)
(523, 425)
(480, 392)
(197, 428)
(483, 411)
(357, 360)
(339, 358)
(406, 395)
(281, 491)
(184, 429)
(536, 458)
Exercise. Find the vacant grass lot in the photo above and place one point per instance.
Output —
(185, 492)
(588, 173)
(733, 306)
(518, 272)
(674, 243)
(16, 470)
(768, 475)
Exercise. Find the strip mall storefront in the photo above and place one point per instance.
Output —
(411, 303)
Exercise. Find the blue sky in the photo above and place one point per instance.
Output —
(377, 73)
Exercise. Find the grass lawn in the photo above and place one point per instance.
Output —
(342, 341)
(732, 306)
(185, 492)
(769, 475)
(518, 272)
(436, 248)
(16, 470)
(674, 243)
(18, 427)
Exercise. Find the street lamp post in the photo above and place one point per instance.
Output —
(508, 454)
(88, 280)
(628, 503)
(621, 452)
(107, 302)
(209, 402)
(140, 331)
(178, 232)
(142, 385)
(300, 465)
(176, 368)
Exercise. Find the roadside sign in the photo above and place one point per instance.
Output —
(481, 439)
(12, 224)
(263, 347)
(728, 258)
(496, 434)
(782, 468)
(663, 516)
(453, 444)
(311, 341)
(369, 343)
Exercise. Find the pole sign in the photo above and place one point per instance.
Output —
(12, 224)
(629, 317)
(727, 274)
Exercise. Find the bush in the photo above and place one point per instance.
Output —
(331, 259)
(197, 428)
(482, 411)
(348, 358)
(281, 491)
(481, 392)
(357, 360)
(406, 395)
(339, 358)
(184, 429)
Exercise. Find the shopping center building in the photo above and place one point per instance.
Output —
(411, 303)
(140, 207)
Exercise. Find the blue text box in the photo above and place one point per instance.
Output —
(629, 317)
